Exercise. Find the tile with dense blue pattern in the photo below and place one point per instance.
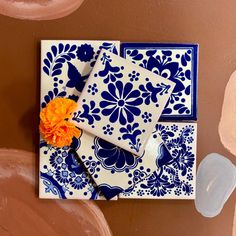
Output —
(113, 169)
(121, 102)
(176, 62)
(174, 177)
(65, 67)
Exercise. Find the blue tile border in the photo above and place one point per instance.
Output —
(194, 48)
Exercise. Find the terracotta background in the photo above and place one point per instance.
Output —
(212, 24)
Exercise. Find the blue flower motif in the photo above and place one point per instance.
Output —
(91, 165)
(114, 158)
(174, 128)
(78, 183)
(177, 191)
(121, 102)
(146, 117)
(190, 176)
(190, 140)
(92, 89)
(108, 129)
(55, 159)
(134, 76)
(140, 192)
(85, 52)
(62, 176)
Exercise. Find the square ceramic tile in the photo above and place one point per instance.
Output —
(174, 177)
(112, 168)
(62, 175)
(176, 62)
(121, 102)
(65, 67)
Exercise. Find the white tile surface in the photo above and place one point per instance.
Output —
(121, 102)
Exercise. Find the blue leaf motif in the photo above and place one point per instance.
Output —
(45, 69)
(49, 55)
(55, 59)
(54, 50)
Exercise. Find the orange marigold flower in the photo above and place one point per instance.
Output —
(54, 125)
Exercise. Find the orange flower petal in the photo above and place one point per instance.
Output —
(54, 127)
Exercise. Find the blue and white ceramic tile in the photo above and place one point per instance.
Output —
(121, 102)
(176, 62)
(63, 176)
(174, 177)
(114, 169)
(65, 67)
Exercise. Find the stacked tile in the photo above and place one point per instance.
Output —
(174, 177)
(119, 108)
(65, 67)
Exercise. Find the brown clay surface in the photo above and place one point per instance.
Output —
(210, 23)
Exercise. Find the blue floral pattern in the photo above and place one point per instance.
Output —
(124, 93)
(113, 168)
(62, 175)
(147, 117)
(176, 62)
(121, 102)
(65, 173)
(92, 89)
(85, 52)
(108, 129)
(134, 76)
(176, 160)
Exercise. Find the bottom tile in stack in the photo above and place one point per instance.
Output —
(175, 175)
(62, 176)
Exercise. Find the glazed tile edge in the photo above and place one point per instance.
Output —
(44, 93)
(195, 48)
(157, 187)
(87, 119)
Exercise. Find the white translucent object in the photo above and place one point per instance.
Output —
(216, 180)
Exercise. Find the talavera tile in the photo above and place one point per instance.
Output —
(121, 102)
(174, 177)
(114, 169)
(65, 67)
(176, 62)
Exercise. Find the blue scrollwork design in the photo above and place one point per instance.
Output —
(109, 73)
(90, 113)
(150, 92)
(131, 132)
